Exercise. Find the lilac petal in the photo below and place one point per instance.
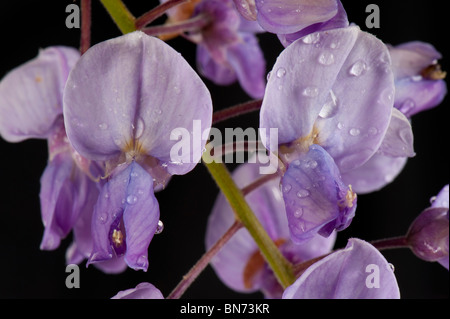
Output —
(316, 199)
(144, 290)
(246, 8)
(340, 20)
(220, 74)
(311, 94)
(125, 217)
(399, 138)
(289, 16)
(129, 94)
(374, 174)
(31, 94)
(441, 199)
(359, 271)
(416, 95)
(409, 59)
(249, 63)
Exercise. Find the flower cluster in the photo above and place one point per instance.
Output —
(116, 119)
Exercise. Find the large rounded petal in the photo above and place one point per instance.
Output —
(289, 16)
(335, 88)
(359, 271)
(144, 290)
(132, 92)
(31, 94)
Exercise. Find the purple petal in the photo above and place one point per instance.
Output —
(31, 94)
(220, 74)
(316, 199)
(289, 16)
(338, 21)
(129, 94)
(125, 217)
(399, 138)
(374, 174)
(441, 200)
(246, 8)
(248, 61)
(359, 271)
(308, 99)
(414, 95)
(144, 290)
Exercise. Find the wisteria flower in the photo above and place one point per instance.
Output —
(359, 271)
(126, 103)
(428, 234)
(332, 103)
(227, 47)
(31, 107)
(419, 83)
(144, 290)
(239, 263)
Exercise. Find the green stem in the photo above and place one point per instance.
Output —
(123, 18)
(281, 267)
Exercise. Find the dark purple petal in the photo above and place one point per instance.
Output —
(308, 99)
(128, 95)
(359, 271)
(31, 94)
(289, 16)
(220, 74)
(144, 290)
(248, 62)
(316, 199)
(338, 21)
(374, 174)
(125, 217)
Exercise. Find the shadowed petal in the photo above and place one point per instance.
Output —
(132, 92)
(289, 16)
(31, 94)
(218, 73)
(359, 271)
(316, 199)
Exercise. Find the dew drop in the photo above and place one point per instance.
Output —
(311, 38)
(310, 91)
(391, 266)
(298, 213)
(354, 132)
(140, 126)
(329, 109)
(407, 106)
(287, 188)
(176, 89)
(268, 75)
(358, 68)
(131, 199)
(158, 111)
(142, 261)
(326, 58)
(281, 72)
(373, 131)
(340, 125)
(432, 199)
(103, 126)
(103, 218)
(159, 227)
(302, 193)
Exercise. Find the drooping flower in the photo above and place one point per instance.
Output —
(428, 234)
(419, 83)
(144, 290)
(126, 103)
(332, 103)
(31, 107)
(239, 263)
(359, 271)
(227, 47)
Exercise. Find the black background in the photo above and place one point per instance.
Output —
(27, 272)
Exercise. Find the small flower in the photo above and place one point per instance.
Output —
(359, 271)
(331, 100)
(428, 234)
(144, 290)
(239, 264)
(123, 102)
(419, 81)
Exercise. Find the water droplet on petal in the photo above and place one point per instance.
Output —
(407, 106)
(281, 72)
(103, 218)
(311, 38)
(432, 199)
(354, 132)
(131, 199)
(340, 125)
(103, 126)
(298, 213)
(159, 227)
(311, 91)
(287, 188)
(140, 126)
(302, 193)
(142, 261)
(373, 131)
(329, 109)
(391, 266)
(158, 111)
(326, 58)
(358, 68)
